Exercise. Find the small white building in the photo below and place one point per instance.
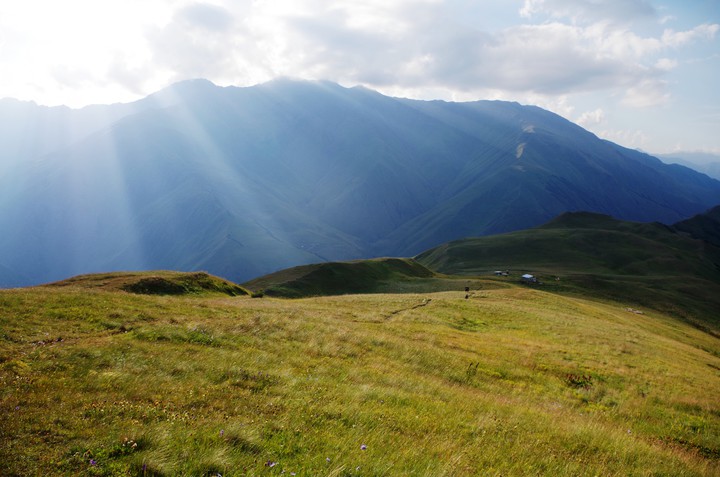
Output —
(529, 278)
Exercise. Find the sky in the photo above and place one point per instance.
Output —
(642, 73)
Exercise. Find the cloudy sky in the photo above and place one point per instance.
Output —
(643, 73)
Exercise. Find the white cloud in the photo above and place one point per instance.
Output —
(413, 47)
(590, 10)
(591, 118)
(201, 40)
(634, 139)
(646, 94)
(408, 47)
(666, 64)
(677, 39)
(205, 16)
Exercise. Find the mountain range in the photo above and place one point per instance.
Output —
(241, 182)
(707, 163)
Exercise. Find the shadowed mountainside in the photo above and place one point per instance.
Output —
(703, 226)
(245, 181)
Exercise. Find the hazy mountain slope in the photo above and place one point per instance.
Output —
(549, 167)
(703, 162)
(245, 181)
(152, 192)
(30, 131)
(10, 279)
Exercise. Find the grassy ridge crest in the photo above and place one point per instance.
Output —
(155, 283)
(339, 278)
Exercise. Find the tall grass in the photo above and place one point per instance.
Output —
(511, 381)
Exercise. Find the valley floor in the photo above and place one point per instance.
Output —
(511, 381)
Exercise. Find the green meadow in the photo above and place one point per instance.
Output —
(510, 381)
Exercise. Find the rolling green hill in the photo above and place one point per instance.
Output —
(580, 242)
(647, 265)
(384, 275)
(516, 381)
(703, 226)
(154, 283)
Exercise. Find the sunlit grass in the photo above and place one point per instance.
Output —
(509, 382)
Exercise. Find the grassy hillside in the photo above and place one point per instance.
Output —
(383, 275)
(155, 283)
(512, 381)
(647, 265)
(703, 226)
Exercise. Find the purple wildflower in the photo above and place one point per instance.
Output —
(222, 432)
(93, 462)
(363, 447)
(270, 464)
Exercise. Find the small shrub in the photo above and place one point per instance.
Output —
(579, 381)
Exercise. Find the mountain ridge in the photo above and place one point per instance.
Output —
(245, 181)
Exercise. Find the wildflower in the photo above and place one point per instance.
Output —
(270, 464)
(327, 459)
(222, 432)
(93, 462)
(363, 447)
